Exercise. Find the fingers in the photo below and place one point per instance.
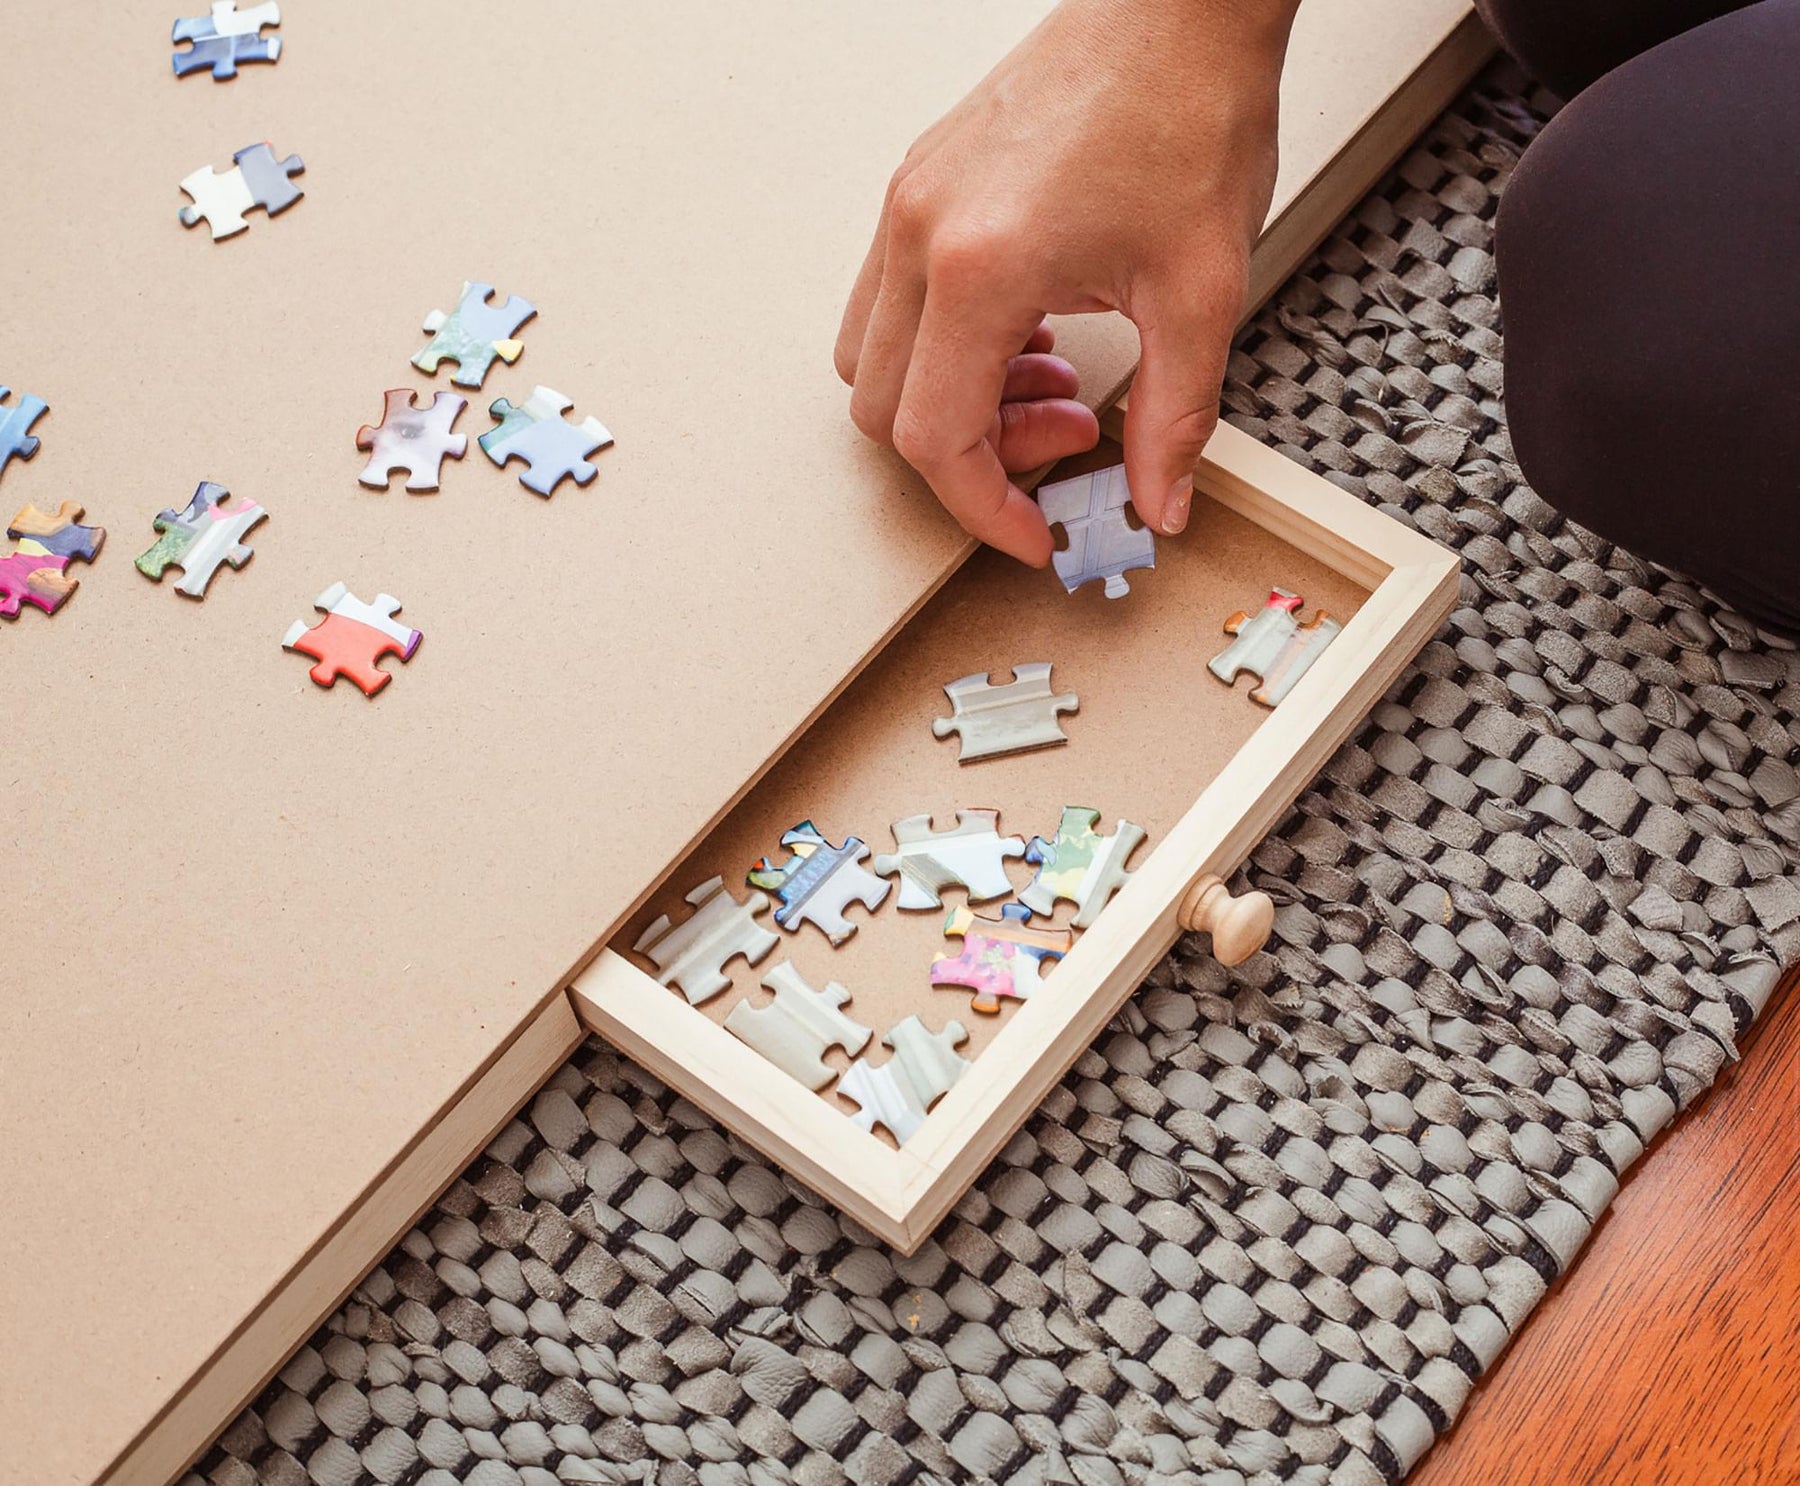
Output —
(1028, 435)
(855, 324)
(1034, 374)
(887, 352)
(963, 355)
(1174, 405)
(1041, 339)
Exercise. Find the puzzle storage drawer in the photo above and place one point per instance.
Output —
(1157, 742)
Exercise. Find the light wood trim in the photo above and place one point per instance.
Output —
(782, 1118)
(260, 1347)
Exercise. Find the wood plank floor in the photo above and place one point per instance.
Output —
(1671, 1353)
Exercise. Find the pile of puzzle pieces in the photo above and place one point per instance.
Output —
(817, 882)
(416, 439)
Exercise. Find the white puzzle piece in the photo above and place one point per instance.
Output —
(1009, 718)
(692, 955)
(1103, 544)
(797, 1028)
(972, 854)
(902, 1090)
(1080, 865)
(819, 881)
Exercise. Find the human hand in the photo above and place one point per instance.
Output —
(1122, 157)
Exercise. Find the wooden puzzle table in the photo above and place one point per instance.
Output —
(283, 958)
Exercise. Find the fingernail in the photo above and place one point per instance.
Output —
(1175, 506)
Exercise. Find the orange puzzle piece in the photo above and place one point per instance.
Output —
(352, 637)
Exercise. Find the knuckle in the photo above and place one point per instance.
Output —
(910, 207)
(962, 253)
(914, 440)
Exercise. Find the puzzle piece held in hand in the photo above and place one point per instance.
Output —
(536, 432)
(971, 854)
(199, 537)
(1273, 646)
(1009, 718)
(1091, 509)
(412, 438)
(818, 881)
(474, 333)
(898, 1094)
(227, 37)
(1080, 865)
(999, 957)
(15, 425)
(794, 1031)
(693, 954)
(256, 178)
(34, 571)
(352, 637)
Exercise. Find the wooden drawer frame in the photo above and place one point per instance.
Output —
(900, 1194)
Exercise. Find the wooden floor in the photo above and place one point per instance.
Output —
(1671, 1353)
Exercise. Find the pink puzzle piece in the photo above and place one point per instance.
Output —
(33, 573)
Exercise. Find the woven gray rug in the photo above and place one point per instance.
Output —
(1278, 1220)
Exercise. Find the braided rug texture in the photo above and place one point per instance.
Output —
(1273, 1226)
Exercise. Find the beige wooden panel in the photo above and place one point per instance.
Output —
(271, 934)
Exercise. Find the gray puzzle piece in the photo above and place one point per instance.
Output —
(796, 1029)
(225, 38)
(1102, 543)
(267, 177)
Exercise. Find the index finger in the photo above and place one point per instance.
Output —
(953, 387)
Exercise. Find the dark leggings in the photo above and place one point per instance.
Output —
(1649, 255)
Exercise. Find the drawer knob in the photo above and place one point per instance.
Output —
(1239, 926)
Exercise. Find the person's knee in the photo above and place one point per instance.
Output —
(1644, 248)
(1566, 46)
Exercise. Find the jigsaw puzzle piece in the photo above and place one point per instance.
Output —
(692, 955)
(474, 333)
(267, 178)
(1092, 511)
(1000, 957)
(972, 855)
(15, 425)
(796, 1029)
(225, 38)
(925, 1066)
(552, 447)
(256, 179)
(412, 438)
(1080, 865)
(352, 637)
(197, 538)
(818, 881)
(1274, 646)
(1018, 715)
(47, 542)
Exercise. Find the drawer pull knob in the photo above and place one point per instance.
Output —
(1239, 926)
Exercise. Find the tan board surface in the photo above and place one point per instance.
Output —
(1154, 727)
(269, 932)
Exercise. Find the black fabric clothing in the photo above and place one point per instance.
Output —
(1648, 245)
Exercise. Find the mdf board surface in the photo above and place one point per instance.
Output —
(276, 933)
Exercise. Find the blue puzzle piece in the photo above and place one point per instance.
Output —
(15, 425)
(225, 38)
(537, 432)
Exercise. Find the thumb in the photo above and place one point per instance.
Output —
(1173, 410)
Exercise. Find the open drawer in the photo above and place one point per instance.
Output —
(1158, 741)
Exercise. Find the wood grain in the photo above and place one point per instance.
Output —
(1669, 1353)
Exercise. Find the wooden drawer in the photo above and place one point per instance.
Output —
(1158, 741)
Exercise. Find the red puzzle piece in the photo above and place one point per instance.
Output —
(352, 637)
